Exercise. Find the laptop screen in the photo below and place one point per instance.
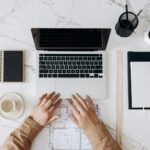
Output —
(70, 39)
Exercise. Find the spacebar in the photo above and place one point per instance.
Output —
(68, 75)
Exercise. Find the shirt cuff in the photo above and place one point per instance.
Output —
(96, 133)
(30, 127)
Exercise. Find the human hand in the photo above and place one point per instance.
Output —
(84, 115)
(43, 112)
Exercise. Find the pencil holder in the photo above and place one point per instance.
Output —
(126, 24)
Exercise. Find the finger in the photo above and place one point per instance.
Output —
(87, 103)
(57, 101)
(45, 100)
(73, 109)
(50, 95)
(54, 107)
(41, 98)
(91, 105)
(52, 119)
(78, 104)
(74, 119)
(82, 101)
(48, 104)
(55, 97)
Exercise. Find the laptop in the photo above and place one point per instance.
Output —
(71, 60)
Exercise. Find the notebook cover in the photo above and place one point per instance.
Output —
(13, 66)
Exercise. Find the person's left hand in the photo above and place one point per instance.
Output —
(43, 112)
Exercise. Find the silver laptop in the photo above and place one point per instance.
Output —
(71, 60)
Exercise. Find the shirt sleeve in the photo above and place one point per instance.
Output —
(22, 137)
(100, 138)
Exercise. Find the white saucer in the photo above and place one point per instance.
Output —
(14, 114)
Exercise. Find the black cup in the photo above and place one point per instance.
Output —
(126, 24)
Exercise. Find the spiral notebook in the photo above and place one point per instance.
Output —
(12, 66)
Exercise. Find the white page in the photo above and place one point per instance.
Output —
(140, 80)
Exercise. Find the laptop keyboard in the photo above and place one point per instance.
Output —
(70, 65)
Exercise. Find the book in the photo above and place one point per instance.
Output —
(12, 66)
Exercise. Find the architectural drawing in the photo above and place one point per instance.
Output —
(64, 135)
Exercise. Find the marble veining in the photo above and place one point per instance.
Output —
(17, 17)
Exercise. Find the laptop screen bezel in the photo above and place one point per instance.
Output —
(105, 34)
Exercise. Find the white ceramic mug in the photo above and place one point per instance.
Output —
(7, 106)
(147, 36)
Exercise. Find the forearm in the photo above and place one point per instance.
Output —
(100, 138)
(22, 137)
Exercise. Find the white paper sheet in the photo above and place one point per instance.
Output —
(140, 84)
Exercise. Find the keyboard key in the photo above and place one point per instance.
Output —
(81, 71)
(82, 75)
(64, 71)
(72, 71)
(75, 67)
(96, 75)
(41, 75)
(62, 67)
(86, 71)
(42, 62)
(43, 71)
(78, 63)
(45, 75)
(77, 71)
(66, 67)
(68, 71)
(49, 75)
(54, 75)
(68, 75)
(90, 71)
(70, 67)
(42, 67)
(82, 63)
(41, 58)
(50, 71)
(83, 67)
(98, 67)
(55, 71)
(100, 76)
(79, 67)
(53, 67)
(87, 75)
(97, 71)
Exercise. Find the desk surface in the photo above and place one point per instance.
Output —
(18, 17)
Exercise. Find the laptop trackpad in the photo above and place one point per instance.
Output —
(93, 87)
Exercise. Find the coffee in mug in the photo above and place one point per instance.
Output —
(7, 105)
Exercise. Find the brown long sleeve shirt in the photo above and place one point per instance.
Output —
(22, 137)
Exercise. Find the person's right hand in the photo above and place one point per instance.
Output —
(84, 115)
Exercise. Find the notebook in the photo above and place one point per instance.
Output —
(139, 80)
(12, 66)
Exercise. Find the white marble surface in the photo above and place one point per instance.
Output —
(17, 17)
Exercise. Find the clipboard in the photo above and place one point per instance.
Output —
(141, 60)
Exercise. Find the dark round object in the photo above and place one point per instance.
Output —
(149, 34)
(124, 26)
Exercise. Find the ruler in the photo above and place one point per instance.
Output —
(119, 100)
